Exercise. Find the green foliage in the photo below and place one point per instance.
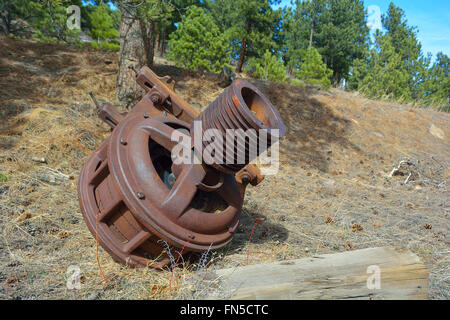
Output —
(404, 37)
(198, 43)
(405, 43)
(3, 177)
(152, 9)
(437, 84)
(396, 69)
(304, 42)
(39, 37)
(358, 71)
(110, 46)
(386, 76)
(106, 46)
(73, 39)
(301, 26)
(94, 45)
(250, 26)
(47, 18)
(269, 67)
(337, 28)
(296, 82)
(313, 70)
(102, 23)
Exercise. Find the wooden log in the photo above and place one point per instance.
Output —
(374, 273)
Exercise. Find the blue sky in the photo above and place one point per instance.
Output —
(432, 18)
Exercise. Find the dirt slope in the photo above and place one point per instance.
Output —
(332, 192)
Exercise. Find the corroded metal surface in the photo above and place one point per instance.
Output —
(240, 107)
(137, 203)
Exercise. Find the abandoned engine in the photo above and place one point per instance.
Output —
(136, 200)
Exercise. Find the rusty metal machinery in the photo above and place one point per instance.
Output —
(136, 201)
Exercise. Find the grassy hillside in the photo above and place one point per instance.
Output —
(332, 193)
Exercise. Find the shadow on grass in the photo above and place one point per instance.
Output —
(263, 231)
(311, 125)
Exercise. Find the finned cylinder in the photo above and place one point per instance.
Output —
(244, 121)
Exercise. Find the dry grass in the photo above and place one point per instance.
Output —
(335, 159)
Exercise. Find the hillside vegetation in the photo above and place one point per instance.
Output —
(333, 192)
(322, 42)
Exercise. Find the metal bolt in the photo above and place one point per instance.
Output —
(123, 142)
(140, 195)
(155, 98)
(245, 178)
(146, 115)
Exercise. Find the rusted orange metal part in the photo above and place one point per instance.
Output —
(137, 203)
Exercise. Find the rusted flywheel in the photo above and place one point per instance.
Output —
(137, 202)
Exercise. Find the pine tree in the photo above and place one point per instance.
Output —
(337, 28)
(386, 76)
(168, 24)
(249, 25)
(102, 24)
(358, 72)
(269, 67)
(395, 67)
(299, 26)
(198, 43)
(137, 34)
(404, 39)
(47, 17)
(437, 84)
(405, 43)
(312, 69)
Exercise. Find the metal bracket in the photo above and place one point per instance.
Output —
(160, 91)
(110, 115)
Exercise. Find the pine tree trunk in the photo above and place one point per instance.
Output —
(157, 41)
(311, 35)
(162, 42)
(243, 47)
(131, 53)
(148, 38)
(241, 58)
(55, 27)
(137, 44)
(6, 18)
(337, 79)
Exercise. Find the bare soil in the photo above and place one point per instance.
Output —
(333, 192)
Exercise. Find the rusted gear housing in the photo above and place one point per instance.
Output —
(136, 202)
